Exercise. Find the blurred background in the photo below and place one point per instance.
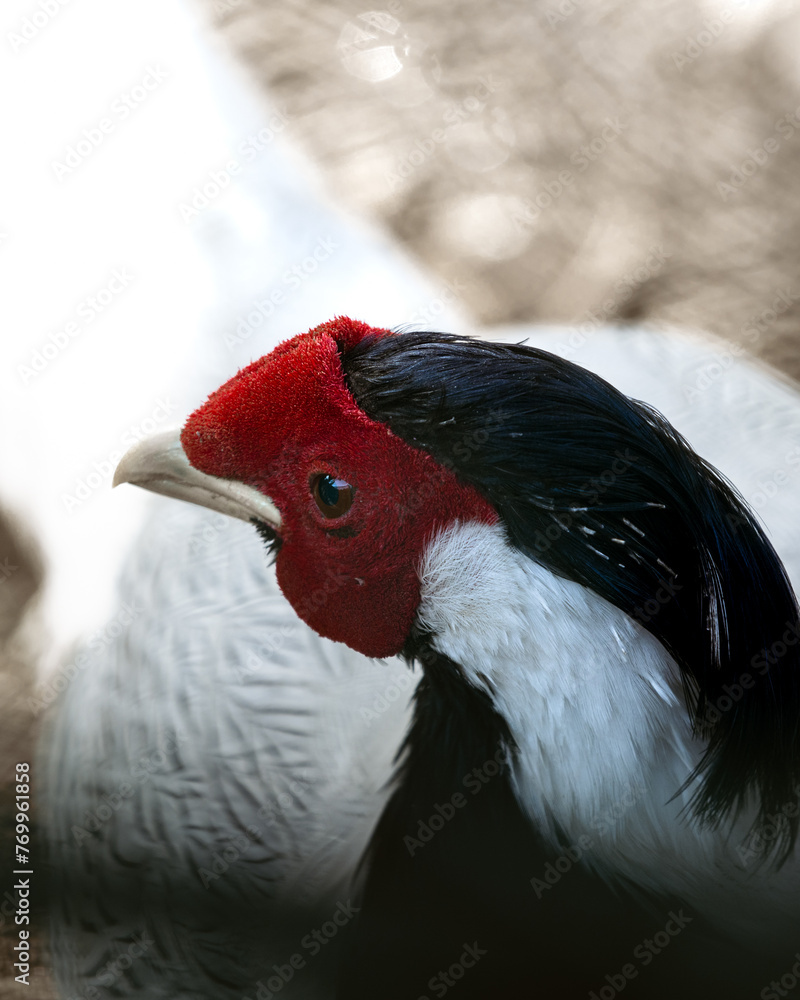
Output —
(561, 160)
(186, 183)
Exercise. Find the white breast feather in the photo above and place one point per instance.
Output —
(594, 703)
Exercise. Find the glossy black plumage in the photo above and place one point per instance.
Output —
(602, 490)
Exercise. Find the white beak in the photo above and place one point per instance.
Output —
(159, 464)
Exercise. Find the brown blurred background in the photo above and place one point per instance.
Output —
(563, 160)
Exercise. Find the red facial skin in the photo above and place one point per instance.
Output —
(289, 417)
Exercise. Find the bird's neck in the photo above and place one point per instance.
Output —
(450, 863)
(446, 863)
(591, 699)
(593, 705)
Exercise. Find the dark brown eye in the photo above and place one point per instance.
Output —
(334, 497)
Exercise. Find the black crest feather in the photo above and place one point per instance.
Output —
(602, 490)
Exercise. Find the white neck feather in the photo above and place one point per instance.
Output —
(595, 705)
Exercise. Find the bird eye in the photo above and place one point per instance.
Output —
(334, 497)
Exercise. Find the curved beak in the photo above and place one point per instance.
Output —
(159, 464)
